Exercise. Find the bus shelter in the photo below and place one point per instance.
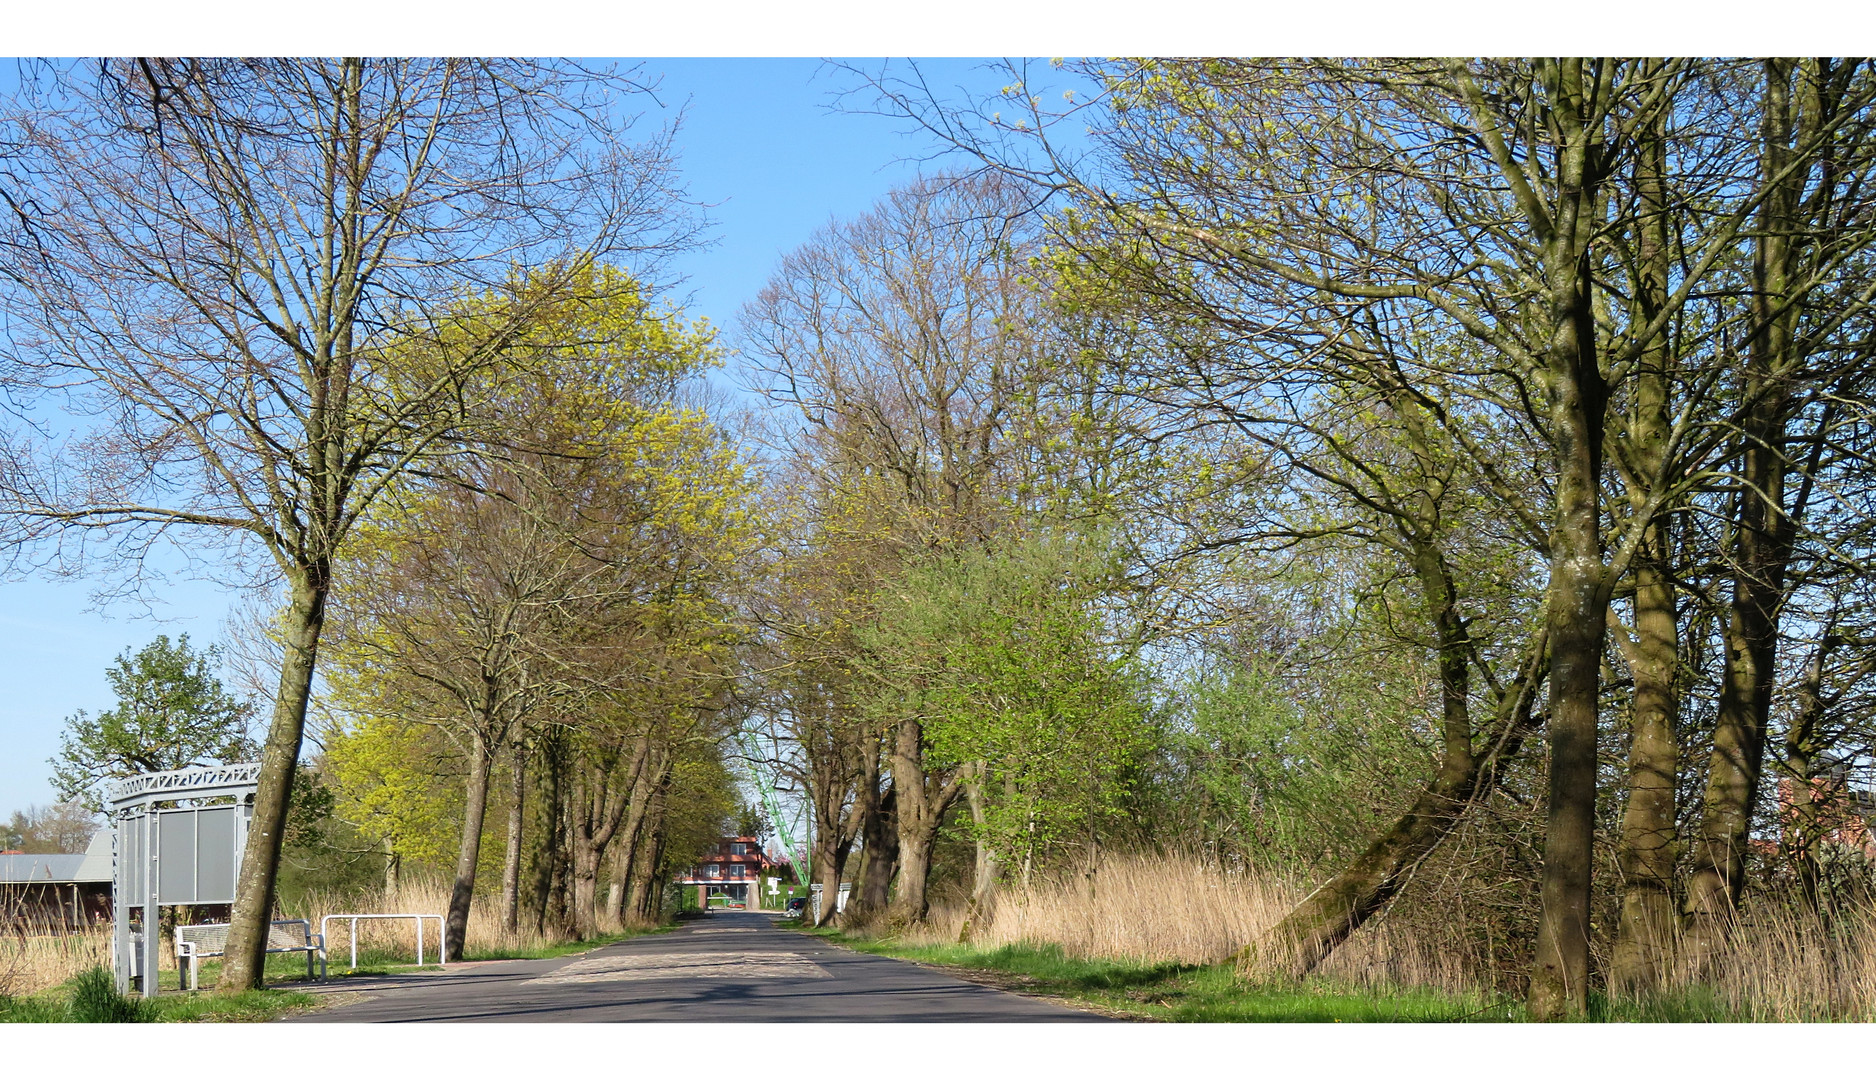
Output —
(177, 838)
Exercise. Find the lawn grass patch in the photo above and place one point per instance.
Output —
(1705, 1005)
(249, 1006)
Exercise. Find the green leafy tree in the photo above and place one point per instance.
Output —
(398, 784)
(1011, 663)
(171, 713)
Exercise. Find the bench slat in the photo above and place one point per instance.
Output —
(290, 935)
(212, 940)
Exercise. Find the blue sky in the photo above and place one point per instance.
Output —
(758, 143)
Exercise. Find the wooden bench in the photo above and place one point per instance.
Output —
(285, 936)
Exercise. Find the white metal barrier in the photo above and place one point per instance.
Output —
(441, 951)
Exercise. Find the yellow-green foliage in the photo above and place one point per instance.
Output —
(591, 442)
(395, 781)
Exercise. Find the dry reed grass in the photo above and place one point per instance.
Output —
(36, 957)
(1152, 909)
(1168, 909)
(1155, 910)
(414, 896)
(39, 957)
(1780, 966)
(417, 897)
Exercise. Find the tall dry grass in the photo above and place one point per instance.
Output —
(1151, 909)
(413, 895)
(35, 957)
(1781, 966)
(1170, 909)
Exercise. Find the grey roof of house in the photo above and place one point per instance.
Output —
(92, 866)
(19, 869)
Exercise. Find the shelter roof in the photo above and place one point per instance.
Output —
(92, 866)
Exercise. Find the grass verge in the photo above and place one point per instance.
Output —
(1182, 993)
(92, 998)
(1194, 993)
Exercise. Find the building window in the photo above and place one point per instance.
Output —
(739, 849)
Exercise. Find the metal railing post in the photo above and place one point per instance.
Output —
(352, 925)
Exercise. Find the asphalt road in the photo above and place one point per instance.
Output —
(734, 967)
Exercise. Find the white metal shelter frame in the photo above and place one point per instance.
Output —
(442, 954)
(173, 855)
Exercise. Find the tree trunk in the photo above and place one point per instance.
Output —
(1577, 596)
(643, 898)
(921, 805)
(1310, 932)
(828, 861)
(585, 885)
(393, 865)
(832, 817)
(914, 870)
(1560, 978)
(545, 869)
(559, 910)
(868, 823)
(1761, 550)
(882, 861)
(648, 789)
(584, 852)
(1649, 923)
(598, 810)
(612, 912)
(248, 923)
(511, 862)
(986, 868)
(1805, 828)
(468, 850)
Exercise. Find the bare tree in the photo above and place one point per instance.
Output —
(251, 281)
(912, 342)
(449, 624)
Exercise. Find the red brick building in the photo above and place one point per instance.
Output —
(1842, 814)
(735, 874)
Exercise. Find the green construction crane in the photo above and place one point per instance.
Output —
(769, 802)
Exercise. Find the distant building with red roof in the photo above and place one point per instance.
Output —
(735, 873)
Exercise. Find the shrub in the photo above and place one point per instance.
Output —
(95, 1000)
